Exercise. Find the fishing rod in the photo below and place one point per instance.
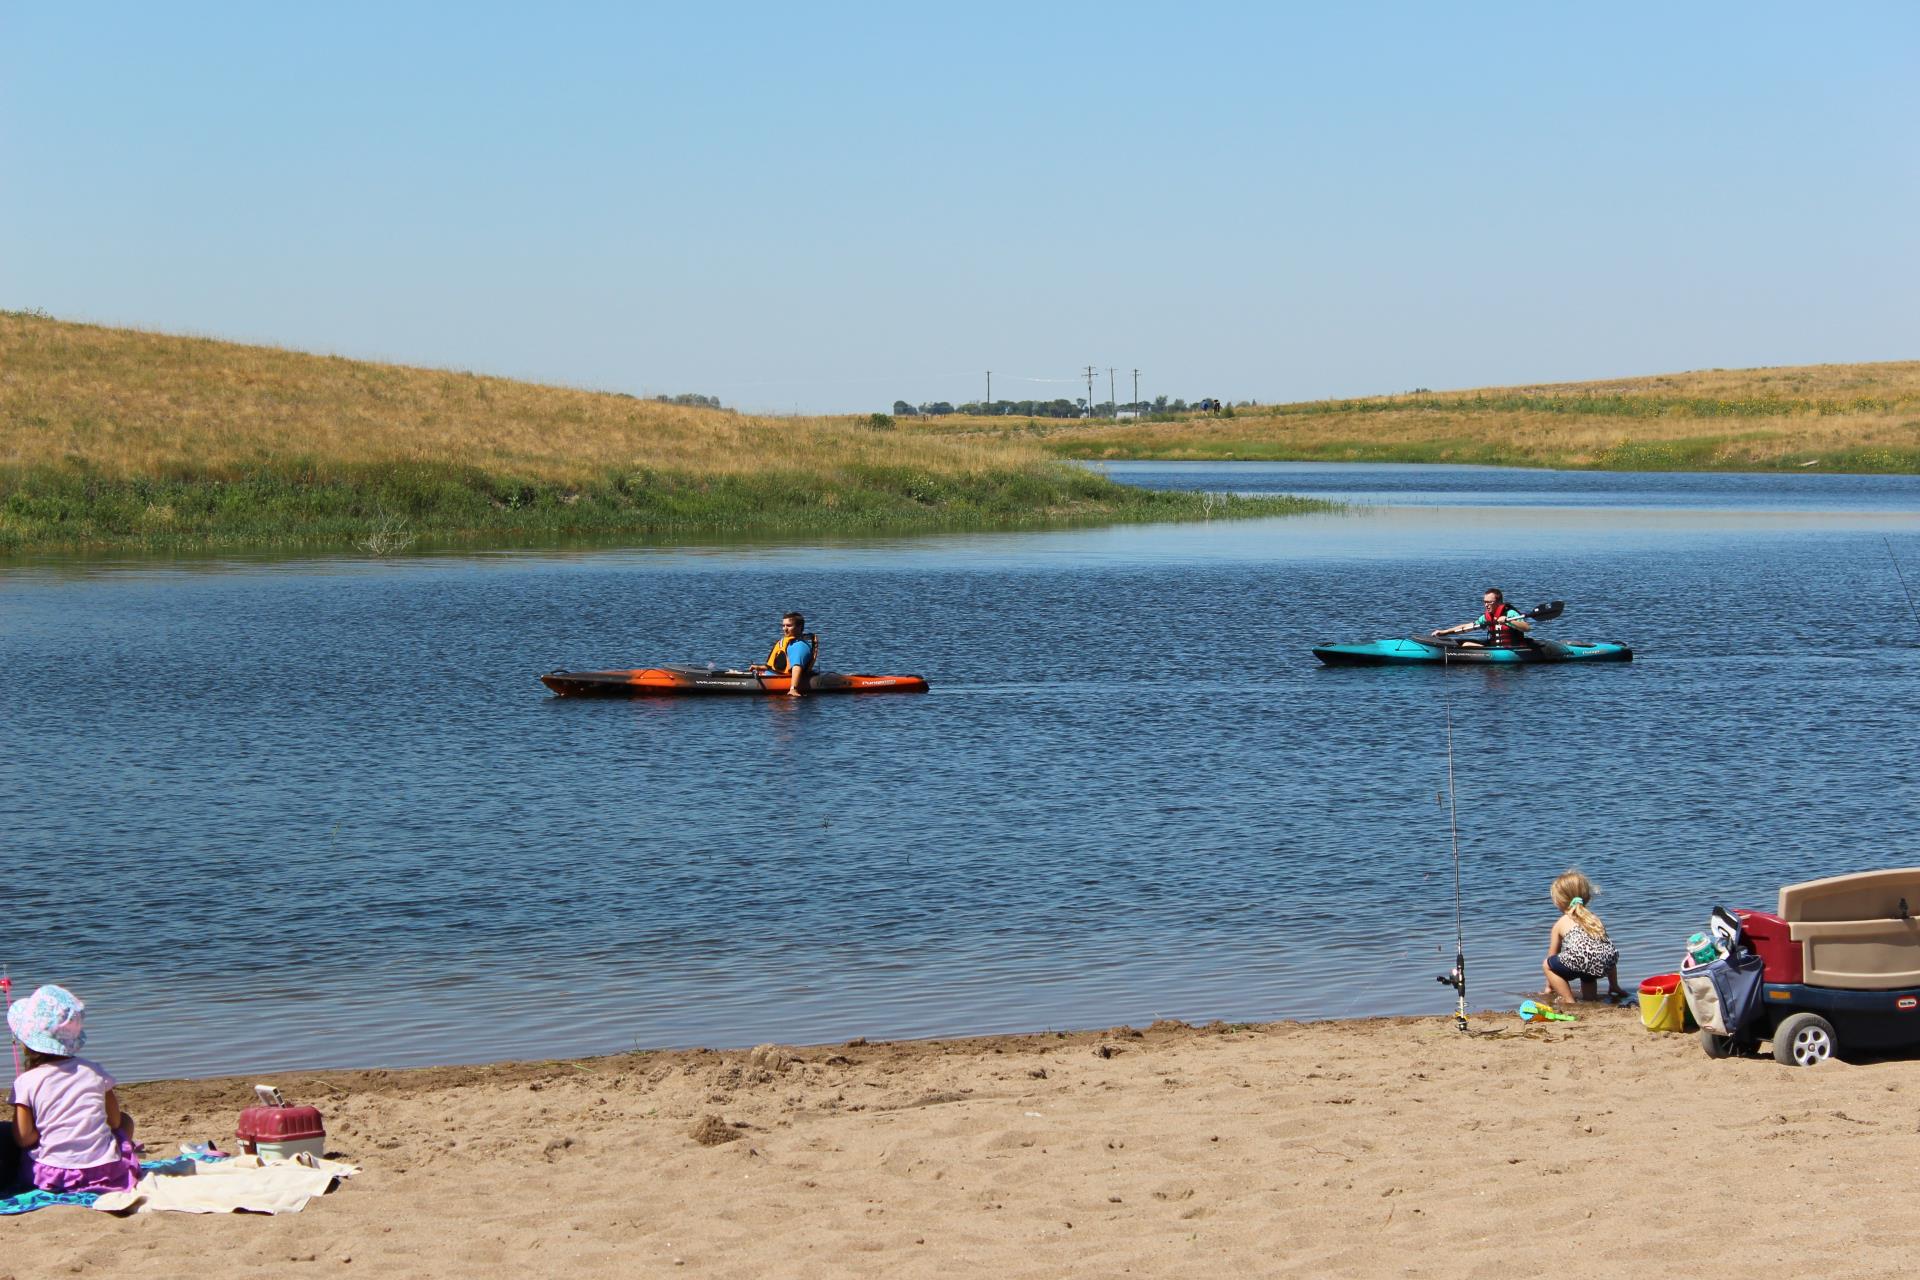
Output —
(1903, 579)
(1458, 978)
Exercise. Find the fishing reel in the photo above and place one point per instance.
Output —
(1457, 979)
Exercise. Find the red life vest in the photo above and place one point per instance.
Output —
(1502, 634)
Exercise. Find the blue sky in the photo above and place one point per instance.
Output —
(829, 208)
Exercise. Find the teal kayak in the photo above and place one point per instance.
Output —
(1445, 651)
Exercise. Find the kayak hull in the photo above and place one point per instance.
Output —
(1424, 653)
(671, 682)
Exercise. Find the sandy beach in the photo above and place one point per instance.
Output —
(1361, 1148)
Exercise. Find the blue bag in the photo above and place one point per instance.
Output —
(1724, 994)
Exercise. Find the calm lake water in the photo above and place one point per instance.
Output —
(267, 814)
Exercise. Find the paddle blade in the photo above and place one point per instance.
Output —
(1547, 612)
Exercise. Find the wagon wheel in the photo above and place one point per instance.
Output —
(1803, 1040)
(1718, 1046)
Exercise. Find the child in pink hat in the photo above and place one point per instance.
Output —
(72, 1133)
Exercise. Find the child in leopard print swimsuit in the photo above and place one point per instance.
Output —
(1578, 949)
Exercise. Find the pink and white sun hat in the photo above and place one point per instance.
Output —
(49, 1021)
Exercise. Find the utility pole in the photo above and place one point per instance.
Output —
(1089, 391)
(1112, 395)
(988, 408)
(1136, 393)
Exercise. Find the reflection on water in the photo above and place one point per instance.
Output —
(1427, 485)
(323, 813)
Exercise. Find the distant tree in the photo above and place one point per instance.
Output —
(1061, 408)
(691, 401)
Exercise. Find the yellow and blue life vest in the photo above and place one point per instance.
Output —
(777, 660)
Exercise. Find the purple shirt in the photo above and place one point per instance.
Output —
(69, 1102)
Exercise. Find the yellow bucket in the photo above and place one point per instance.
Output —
(1663, 1007)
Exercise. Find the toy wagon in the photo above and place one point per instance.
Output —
(1835, 970)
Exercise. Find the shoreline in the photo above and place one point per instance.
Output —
(1361, 1148)
(76, 514)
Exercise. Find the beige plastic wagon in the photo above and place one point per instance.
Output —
(1841, 969)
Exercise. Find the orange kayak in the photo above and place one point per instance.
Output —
(643, 682)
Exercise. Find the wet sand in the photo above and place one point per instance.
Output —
(1362, 1148)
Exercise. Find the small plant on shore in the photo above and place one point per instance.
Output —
(390, 536)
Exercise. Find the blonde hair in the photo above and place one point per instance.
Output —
(1571, 885)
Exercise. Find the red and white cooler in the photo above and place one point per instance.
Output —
(274, 1130)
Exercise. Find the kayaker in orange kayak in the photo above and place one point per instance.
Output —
(797, 650)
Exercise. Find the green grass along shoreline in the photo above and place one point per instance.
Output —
(1692, 453)
(387, 508)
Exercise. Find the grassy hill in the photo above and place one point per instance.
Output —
(113, 438)
(1847, 417)
(118, 439)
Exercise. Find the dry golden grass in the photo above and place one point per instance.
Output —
(111, 438)
(1890, 378)
(125, 403)
(1847, 417)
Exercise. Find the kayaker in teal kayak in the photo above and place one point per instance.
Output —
(1506, 626)
(796, 650)
(1506, 644)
